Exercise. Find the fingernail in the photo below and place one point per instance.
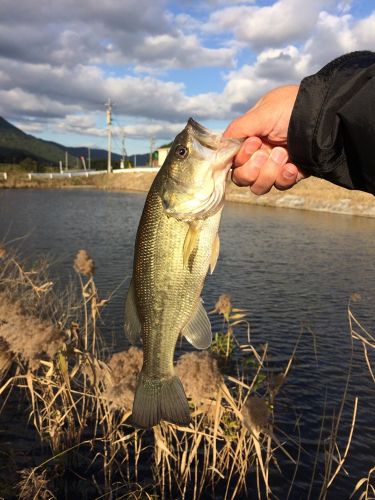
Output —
(279, 155)
(258, 159)
(289, 172)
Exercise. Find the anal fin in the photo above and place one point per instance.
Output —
(198, 330)
(132, 324)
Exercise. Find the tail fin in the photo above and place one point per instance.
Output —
(157, 400)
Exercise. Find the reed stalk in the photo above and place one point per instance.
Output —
(80, 403)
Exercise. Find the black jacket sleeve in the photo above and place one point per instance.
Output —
(332, 129)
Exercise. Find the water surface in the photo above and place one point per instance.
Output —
(293, 270)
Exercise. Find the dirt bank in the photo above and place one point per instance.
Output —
(311, 194)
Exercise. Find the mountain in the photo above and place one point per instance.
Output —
(99, 157)
(16, 145)
(96, 154)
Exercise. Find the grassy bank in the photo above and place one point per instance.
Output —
(73, 398)
(78, 396)
(310, 194)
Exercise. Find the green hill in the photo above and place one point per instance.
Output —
(16, 145)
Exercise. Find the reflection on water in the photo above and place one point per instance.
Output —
(293, 270)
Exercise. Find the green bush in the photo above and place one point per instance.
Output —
(29, 165)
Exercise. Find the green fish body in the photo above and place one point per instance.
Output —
(176, 244)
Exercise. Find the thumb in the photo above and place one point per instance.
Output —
(247, 125)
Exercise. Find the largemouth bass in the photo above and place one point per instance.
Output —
(177, 241)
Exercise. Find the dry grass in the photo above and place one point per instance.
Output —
(365, 488)
(124, 369)
(136, 181)
(34, 486)
(30, 337)
(80, 403)
(200, 376)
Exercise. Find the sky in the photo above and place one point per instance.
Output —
(161, 61)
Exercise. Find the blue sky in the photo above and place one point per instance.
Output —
(161, 62)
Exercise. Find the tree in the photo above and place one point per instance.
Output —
(29, 165)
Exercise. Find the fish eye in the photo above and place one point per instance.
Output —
(181, 151)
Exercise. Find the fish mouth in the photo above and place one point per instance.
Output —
(204, 196)
(206, 137)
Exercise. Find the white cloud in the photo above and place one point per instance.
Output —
(18, 102)
(109, 32)
(157, 130)
(364, 32)
(86, 126)
(332, 38)
(60, 61)
(344, 6)
(80, 124)
(335, 35)
(285, 21)
(226, 2)
(59, 90)
(181, 51)
(272, 68)
(30, 127)
(283, 65)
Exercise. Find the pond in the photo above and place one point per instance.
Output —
(294, 271)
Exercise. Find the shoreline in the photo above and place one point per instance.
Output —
(311, 194)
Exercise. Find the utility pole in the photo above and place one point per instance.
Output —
(109, 123)
(123, 150)
(152, 145)
(89, 158)
(66, 161)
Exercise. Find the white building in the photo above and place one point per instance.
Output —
(161, 156)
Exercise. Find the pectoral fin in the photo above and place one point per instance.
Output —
(191, 241)
(132, 325)
(198, 330)
(215, 253)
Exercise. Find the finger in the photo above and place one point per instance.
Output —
(270, 171)
(248, 148)
(290, 174)
(247, 174)
(287, 177)
(246, 125)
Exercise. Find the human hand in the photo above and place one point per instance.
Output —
(262, 161)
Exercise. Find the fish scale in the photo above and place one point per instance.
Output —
(177, 241)
(165, 289)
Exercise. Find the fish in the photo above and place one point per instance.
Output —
(177, 243)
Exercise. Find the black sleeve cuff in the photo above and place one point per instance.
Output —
(318, 137)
